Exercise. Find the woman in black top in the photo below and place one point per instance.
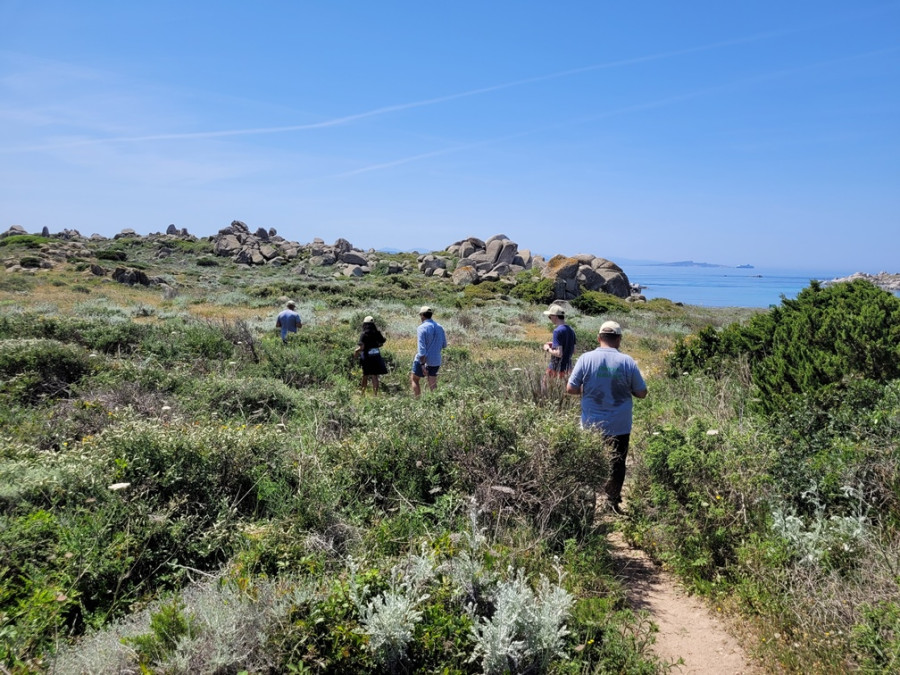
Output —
(368, 351)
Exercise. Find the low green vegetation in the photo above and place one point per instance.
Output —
(180, 492)
(595, 303)
(776, 493)
(15, 241)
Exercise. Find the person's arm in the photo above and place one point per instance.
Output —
(638, 386)
(575, 385)
(554, 347)
(422, 348)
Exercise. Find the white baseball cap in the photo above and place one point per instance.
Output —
(610, 328)
(555, 310)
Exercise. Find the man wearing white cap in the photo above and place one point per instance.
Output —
(561, 345)
(607, 380)
(431, 341)
(288, 321)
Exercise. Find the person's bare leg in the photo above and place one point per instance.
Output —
(375, 385)
(432, 382)
(416, 389)
(363, 383)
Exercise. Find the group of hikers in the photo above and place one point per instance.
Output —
(430, 337)
(606, 379)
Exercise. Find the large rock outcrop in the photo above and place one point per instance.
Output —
(498, 257)
(253, 248)
(267, 248)
(468, 261)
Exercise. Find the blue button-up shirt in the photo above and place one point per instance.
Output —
(432, 340)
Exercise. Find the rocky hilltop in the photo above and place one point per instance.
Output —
(468, 261)
(889, 282)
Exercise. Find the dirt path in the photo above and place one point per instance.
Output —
(687, 629)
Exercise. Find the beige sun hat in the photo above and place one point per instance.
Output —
(555, 310)
(610, 328)
(368, 319)
(425, 309)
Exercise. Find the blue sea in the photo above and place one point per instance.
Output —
(726, 286)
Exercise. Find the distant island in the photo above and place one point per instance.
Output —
(691, 263)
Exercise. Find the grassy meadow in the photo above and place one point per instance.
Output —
(182, 493)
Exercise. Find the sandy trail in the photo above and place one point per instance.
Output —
(688, 630)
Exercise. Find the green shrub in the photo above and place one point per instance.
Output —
(16, 283)
(315, 355)
(596, 303)
(195, 247)
(178, 498)
(487, 290)
(248, 398)
(688, 506)
(33, 369)
(32, 241)
(168, 626)
(810, 345)
(182, 341)
(876, 640)
(111, 335)
(664, 306)
(531, 288)
(207, 261)
(213, 627)
(117, 255)
(30, 262)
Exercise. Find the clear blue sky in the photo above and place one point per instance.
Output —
(755, 132)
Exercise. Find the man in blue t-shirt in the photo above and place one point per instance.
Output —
(561, 345)
(431, 340)
(607, 380)
(288, 321)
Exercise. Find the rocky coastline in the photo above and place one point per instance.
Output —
(468, 261)
(885, 280)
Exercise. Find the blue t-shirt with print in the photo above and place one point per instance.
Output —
(289, 321)
(609, 379)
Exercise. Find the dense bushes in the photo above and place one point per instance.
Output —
(103, 523)
(334, 532)
(116, 255)
(530, 287)
(595, 303)
(811, 345)
(315, 355)
(787, 503)
(33, 369)
(249, 399)
(27, 241)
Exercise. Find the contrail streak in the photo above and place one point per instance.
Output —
(619, 111)
(376, 112)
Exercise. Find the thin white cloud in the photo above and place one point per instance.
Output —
(637, 107)
(376, 112)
